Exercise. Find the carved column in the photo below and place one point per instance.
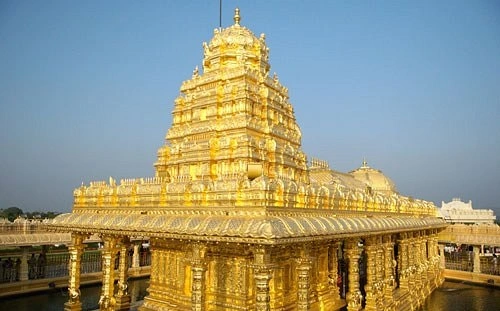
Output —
(303, 284)
(75, 256)
(403, 261)
(24, 269)
(107, 300)
(477, 260)
(136, 259)
(425, 259)
(333, 261)
(417, 260)
(353, 296)
(411, 262)
(380, 270)
(435, 255)
(433, 268)
(122, 296)
(262, 276)
(419, 267)
(389, 266)
(442, 261)
(371, 277)
(431, 262)
(198, 268)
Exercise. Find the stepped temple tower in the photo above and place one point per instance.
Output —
(239, 219)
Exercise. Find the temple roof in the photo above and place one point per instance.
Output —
(234, 46)
(265, 228)
(20, 239)
(232, 169)
(374, 178)
(329, 176)
(235, 34)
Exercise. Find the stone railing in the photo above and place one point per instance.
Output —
(482, 234)
(22, 226)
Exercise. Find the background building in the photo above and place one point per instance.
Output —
(457, 211)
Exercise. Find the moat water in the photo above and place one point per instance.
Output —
(449, 297)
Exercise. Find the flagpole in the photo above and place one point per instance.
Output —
(220, 14)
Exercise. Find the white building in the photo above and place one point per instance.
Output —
(457, 211)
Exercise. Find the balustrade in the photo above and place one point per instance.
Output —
(48, 265)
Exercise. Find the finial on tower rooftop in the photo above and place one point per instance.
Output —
(365, 164)
(237, 17)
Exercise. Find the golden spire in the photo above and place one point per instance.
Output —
(237, 17)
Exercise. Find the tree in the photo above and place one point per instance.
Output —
(11, 213)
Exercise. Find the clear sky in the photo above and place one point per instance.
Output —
(87, 89)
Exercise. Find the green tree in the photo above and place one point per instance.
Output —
(11, 213)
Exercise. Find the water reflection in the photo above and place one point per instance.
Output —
(54, 300)
(453, 296)
(449, 297)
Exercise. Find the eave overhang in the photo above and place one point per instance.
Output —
(260, 229)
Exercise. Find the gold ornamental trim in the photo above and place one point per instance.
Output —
(34, 239)
(260, 227)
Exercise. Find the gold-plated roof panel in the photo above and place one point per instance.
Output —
(263, 227)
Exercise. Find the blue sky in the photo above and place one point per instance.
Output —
(87, 89)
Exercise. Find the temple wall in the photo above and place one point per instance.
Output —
(135, 195)
(170, 280)
(296, 276)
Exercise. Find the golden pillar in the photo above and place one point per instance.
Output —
(353, 296)
(380, 269)
(122, 296)
(371, 276)
(198, 267)
(333, 262)
(159, 265)
(136, 260)
(75, 256)
(425, 258)
(389, 270)
(262, 276)
(417, 259)
(403, 261)
(107, 300)
(442, 261)
(435, 255)
(419, 281)
(411, 263)
(303, 283)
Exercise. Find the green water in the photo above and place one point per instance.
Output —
(54, 300)
(453, 296)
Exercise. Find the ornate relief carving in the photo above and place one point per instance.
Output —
(229, 117)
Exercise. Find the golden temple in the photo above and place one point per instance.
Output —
(237, 217)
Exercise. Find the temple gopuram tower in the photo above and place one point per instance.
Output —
(237, 217)
(233, 117)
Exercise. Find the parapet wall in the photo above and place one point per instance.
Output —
(237, 191)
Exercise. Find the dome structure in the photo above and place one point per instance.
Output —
(374, 179)
(236, 45)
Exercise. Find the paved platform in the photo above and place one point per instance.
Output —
(474, 278)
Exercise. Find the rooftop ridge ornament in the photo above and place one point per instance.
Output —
(237, 16)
